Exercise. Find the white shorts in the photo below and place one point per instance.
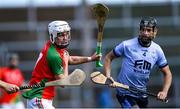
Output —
(18, 105)
(39, 103)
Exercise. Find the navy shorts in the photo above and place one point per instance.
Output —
(128, 101)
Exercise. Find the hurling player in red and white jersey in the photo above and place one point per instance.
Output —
(53, 64)
(13, 75)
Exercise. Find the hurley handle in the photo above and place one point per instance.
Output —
(99, 52)
(30, 87)
(148, 93)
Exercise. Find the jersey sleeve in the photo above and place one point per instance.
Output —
(119, 50)
(161, 60)
(0, 73)
(55, 62)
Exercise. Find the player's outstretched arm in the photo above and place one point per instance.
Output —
(73, 60)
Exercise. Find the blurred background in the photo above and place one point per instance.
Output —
(23, 30)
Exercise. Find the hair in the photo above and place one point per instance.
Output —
(13, 56)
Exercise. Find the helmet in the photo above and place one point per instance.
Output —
(148, 22)
(56, 27)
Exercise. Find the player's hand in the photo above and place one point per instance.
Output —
(96, 57)
(162, 95)
(62, 76)
(11, 88)
(113, 84)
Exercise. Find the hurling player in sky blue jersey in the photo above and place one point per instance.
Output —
(139, 55)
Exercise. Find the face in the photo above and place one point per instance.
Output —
(62, 39)
(14, 62)
(147, 34)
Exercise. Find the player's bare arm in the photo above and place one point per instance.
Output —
(73, 60)
(10, 88)
(107, 63)
(167, 82)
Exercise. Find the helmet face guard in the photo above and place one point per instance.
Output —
(58, 27)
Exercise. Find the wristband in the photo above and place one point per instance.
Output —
(89, 58)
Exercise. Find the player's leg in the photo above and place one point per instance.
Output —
(48, 104)
(126, 102)
(37, 103)
(6, 106)
(19, 105)
(142, 102)
(32, 104)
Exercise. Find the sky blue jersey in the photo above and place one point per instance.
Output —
(137, 63)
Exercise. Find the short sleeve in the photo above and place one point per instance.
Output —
(54, 61)
(119, 50)
(161, 61)
(1, 72)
